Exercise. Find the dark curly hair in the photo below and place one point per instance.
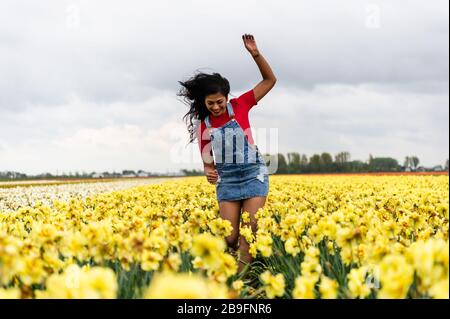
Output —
(194, 92)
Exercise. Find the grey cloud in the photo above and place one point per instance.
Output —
(122, 51)
(360, 120)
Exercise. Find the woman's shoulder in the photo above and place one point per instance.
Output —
(245, 101)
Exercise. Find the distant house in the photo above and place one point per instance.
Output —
(142, 174)
(98, 175)
(408, 169)
(438, 168)
(421, 169)
(129, 175)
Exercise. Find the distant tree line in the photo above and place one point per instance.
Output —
(10, 175)
(296, 163)
(192, 172)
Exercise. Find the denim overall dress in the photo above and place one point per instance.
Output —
(240, 165)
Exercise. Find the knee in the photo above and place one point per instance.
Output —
(232, 241)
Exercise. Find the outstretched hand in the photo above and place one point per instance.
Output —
(250, 44)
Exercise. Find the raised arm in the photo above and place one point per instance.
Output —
(269, 79)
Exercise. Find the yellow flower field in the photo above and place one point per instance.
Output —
(318, 237)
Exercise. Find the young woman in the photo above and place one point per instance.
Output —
(231, 159)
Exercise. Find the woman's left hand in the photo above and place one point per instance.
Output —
(250, 44)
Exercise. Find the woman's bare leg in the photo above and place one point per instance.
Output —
(250, 205)
(231, 210)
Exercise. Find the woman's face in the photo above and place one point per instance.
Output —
(216, 104)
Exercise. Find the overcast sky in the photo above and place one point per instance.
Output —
(91, 85)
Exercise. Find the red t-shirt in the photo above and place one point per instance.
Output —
(241, 106)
